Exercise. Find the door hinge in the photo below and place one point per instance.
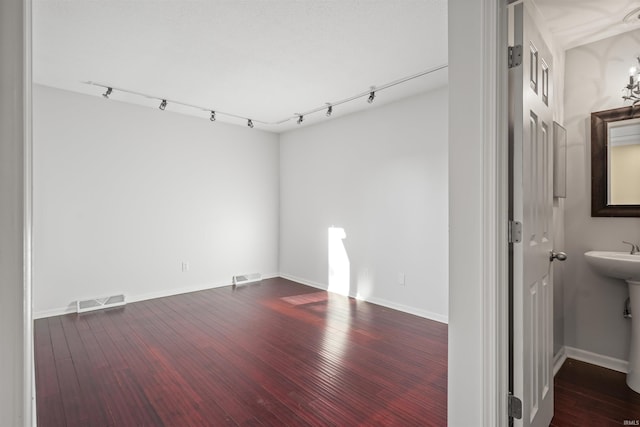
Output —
(515, 56)
(514, 406)
(515, 232)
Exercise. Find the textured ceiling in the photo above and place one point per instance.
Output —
(263, 59)
(577, 22)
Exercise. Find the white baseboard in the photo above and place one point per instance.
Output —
(589, 357)
(373, 300)
(406, 309)
(558, 360)
(54, 312)
(304, 281)
(146, 296)
(178, 291)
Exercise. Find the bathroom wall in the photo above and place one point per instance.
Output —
(595, 76)
(381, 176)
(125, 194)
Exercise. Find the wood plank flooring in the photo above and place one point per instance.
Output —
(588, 395)
(275, 353)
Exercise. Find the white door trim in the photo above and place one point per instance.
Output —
(16, 404)
(478, 304)
(495, 213)
(30, 418)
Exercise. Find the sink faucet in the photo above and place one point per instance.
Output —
(635, 249)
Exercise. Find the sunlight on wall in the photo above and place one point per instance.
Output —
(339, 268)
(364, 284)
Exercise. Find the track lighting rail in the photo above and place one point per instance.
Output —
(328, 107)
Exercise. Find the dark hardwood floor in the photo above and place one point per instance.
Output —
(588, 395)
(275, 353)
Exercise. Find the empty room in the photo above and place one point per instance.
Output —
(240, 213)
(298, 212)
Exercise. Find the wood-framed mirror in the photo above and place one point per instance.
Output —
(615, 162)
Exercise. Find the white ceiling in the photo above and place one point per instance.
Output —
(268, 59)
(577, 22)
(261, 59)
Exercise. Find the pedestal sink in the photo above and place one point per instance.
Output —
(625, 266)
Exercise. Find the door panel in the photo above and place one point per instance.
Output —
(530, 120)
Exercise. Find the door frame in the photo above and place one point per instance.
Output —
(30, 414)
(478, 246)
(495, 213)
(16, 73)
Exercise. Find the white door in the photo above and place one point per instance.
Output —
(531, 124)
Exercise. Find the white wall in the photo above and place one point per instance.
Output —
(595, 76)
(382, 176)
(15, 305)
(124, 194)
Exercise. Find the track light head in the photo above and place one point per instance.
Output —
(213, 116)
(108, 92)
(163, 104)
(250, 123)
(329, 111)
(300, 119)
(372, 96)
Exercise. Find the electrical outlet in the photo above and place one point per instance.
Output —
(185, 266)
(401, 278)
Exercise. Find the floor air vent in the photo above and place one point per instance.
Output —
(246, 278)
(100, 303)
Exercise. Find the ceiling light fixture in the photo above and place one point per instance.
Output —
(633, 88)
(327, 108)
